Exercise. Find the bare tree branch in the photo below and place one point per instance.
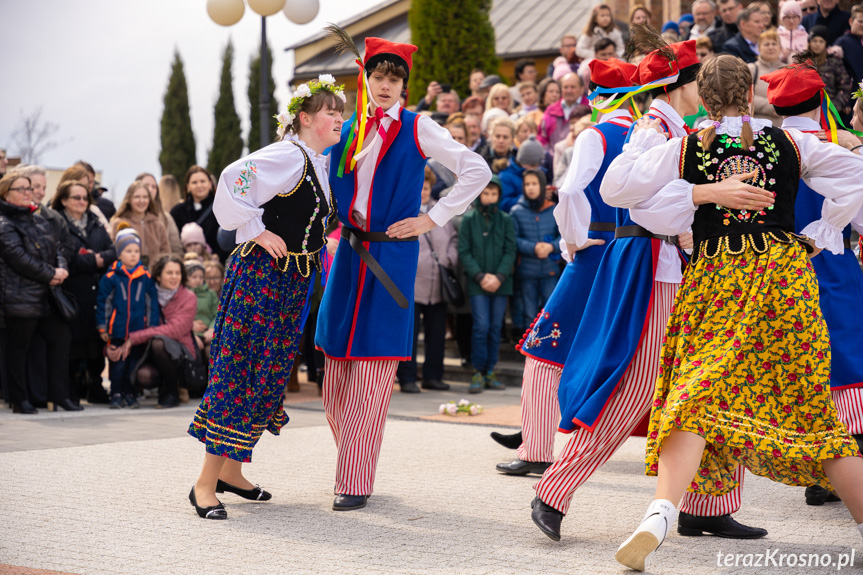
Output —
(34, 137)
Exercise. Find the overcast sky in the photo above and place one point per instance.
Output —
(99, 69)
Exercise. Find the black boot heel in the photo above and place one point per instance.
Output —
(254, 494)
(215, 512)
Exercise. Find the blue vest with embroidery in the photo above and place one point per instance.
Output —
(550, 337)
(358, 318)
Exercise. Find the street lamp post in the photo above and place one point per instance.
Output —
(229, 12)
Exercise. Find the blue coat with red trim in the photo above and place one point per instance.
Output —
(358, 318)
(550, 337)
(840, 284)
(127, 301)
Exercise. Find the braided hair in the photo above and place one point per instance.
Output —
(724, 82)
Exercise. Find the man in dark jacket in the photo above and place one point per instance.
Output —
(852, 46)
(744, 44)
(829, 15)
(728, 11)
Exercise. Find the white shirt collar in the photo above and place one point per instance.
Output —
(801, 123)
(313, 155)
(393, 112)
(733, 125)
(622, 114)
(666, 111)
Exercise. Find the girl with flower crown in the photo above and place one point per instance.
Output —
(278, 200)
(745, 370)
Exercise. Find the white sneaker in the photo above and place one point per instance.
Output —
(649, 536)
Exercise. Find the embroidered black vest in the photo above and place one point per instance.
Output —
(775, 158)
(299, 217)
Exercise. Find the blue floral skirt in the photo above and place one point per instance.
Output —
(258, 329)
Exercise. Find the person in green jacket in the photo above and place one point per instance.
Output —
(487, 250)
(208, 304)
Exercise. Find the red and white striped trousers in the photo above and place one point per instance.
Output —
(849, 404)
(356, 398)
(540, 411)
(587, 451)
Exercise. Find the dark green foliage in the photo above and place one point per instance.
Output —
(178, 140)
(253, 142)
(227, 137)
(453, 39)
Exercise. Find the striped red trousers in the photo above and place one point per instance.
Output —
(540, 411)
(849, 404)
(587, 451)
(356, 400)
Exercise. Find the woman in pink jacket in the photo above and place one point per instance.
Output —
(170, 344)
(792, 35)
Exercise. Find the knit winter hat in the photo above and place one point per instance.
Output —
(530, 153)
(686, 18)
(819, 32)
(670, 25)
(126, 236)
(192, 234)
(790, 8)
(193, 266)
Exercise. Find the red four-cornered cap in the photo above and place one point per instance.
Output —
(793, 85)
(656, 65)
(385, 48)
(611, 73)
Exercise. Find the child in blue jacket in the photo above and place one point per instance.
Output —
(127, 302)
(538, 242)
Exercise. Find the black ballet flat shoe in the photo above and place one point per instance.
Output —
(511, 441)
(214, 512)
(255, 494)
(349, 502)
(24, 407)
(725, 526)
(67, 405)
(547, 518)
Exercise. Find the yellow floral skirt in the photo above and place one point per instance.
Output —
(746, 365)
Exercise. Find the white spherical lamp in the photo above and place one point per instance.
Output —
(266, 7)
(301, 11)
(225, 12)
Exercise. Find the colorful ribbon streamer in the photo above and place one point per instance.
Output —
(829, 118)
(357, 122)
(620, 95)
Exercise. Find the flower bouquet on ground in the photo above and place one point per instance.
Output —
(463, 406)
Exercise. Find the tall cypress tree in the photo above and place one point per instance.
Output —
(454, 38)
(178, 140)
(227, 137)
(253, 142)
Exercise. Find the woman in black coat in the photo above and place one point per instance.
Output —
(91, 252)
(198, 208)
(31, 262)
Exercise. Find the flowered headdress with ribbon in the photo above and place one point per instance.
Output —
(377, 50)
(292, 110)
(858, 95)
(666, 66)
(797, 89)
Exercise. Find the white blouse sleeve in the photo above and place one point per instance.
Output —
(251, 182)
(471, 171)
(641, 170)
(836, 174)
(670, 211)
(573, 212)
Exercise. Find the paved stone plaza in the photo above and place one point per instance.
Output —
(105, 492)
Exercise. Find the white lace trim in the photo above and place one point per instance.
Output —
(733, 125)
(319, 160)
(826, 236)
(643, 140)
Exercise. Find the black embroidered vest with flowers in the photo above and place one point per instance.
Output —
(775, 158)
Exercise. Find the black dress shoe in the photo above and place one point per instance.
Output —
(24, 407)
(349, 502)
(511, 441)
(214, 512)
(409, 387)
(435, 385)
(254, 494)
(547, 518)
(721, 526)
(816, 495)
(519, 467)
(167, 402)
(67, 405)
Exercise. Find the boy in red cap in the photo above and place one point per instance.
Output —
(609, 375)
(796, 94)
(365, 324)
(586, 224)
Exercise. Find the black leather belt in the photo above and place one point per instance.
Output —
(356, 238)
(639, 232)
(602, 227)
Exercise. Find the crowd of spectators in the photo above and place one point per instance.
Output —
(505, 249)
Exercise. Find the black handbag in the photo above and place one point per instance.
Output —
(450, 288)
(194, 372)
(64, 303)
